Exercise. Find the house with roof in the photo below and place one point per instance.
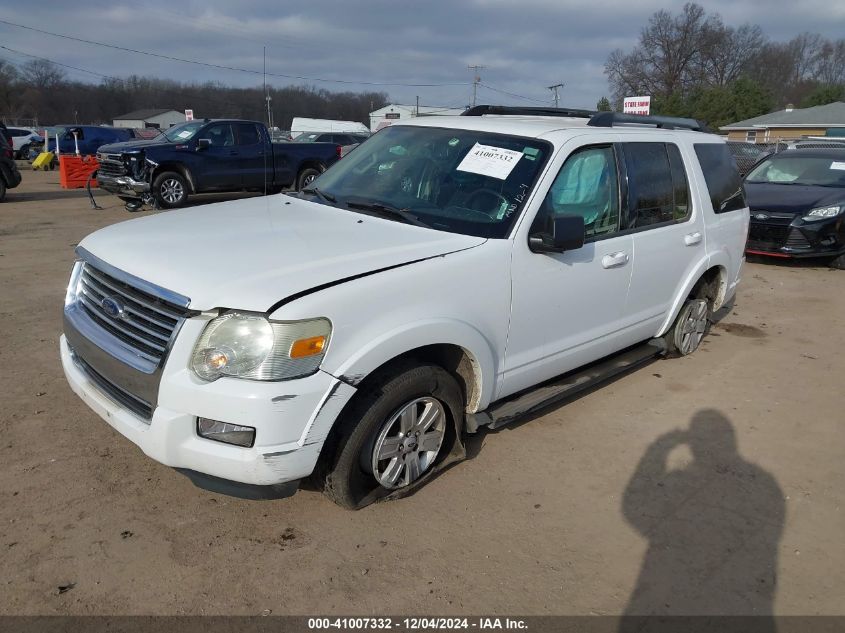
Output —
(791, 123)
(397, 111)
(158, 119)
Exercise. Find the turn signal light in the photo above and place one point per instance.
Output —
(307, 346)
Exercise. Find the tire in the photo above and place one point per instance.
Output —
(2, 189)
(351, 475)
(170, 190)
(306, 177)
(837, 262)
(692, 324)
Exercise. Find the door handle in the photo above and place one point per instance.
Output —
(691, 239)
(233, 153)
(614, 260)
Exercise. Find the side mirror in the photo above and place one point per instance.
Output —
(567, 234)
(203, 143)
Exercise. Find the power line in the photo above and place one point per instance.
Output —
(232, 68)
(45, 59)
(555, 89)
(511, 94)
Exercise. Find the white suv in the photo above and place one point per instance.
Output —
(422, 287)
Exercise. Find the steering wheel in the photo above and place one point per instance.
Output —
(484, 191)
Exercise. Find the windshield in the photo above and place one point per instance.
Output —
(183, 131)
(462, 181)
(800, 170)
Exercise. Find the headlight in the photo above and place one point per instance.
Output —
(821, 213)
(74, 283)
(250, 346)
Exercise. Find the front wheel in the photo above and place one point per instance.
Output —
(393, 434)
(837, 262)
(306, 177)
(170, 190)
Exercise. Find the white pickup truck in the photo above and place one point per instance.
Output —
(451, 273)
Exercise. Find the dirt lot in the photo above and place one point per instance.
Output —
(596, 506)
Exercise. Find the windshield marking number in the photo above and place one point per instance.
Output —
(487, 160)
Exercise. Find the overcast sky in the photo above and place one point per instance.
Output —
(525, 45)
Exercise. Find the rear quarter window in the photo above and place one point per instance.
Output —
(721, 175)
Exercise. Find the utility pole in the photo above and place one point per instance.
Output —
(554, 89)
(418, 106)
(476, 79)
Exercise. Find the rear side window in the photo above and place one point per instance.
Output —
(248, 134)
(721, 176)
(657, 185)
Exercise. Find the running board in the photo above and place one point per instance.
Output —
(501, 413)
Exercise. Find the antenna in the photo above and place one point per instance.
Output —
(270, 138)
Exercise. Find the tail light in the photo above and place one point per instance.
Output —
(339, 151)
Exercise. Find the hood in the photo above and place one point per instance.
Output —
(797, 199)
(249, 254)
(133, 145)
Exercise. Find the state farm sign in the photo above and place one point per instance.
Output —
(636, 105)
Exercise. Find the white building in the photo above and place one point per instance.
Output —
(158, 119)
(395, 111)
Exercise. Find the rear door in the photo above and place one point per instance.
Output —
(253, 163)
(667, 228)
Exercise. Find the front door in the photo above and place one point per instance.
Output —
(221, 168)
(567, 307)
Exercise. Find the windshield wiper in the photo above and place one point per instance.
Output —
(320, 194)
(380, 208)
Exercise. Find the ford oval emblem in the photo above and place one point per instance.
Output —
(113, 307)
(761, 216)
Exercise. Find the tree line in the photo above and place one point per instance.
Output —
(39, 92)
(693, 64)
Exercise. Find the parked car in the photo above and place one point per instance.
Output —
(797, 203)
(89, 138)
(747, 155)
(23, 138)
(10, 177)
(431, 283)
(209, 155)
(331, 137)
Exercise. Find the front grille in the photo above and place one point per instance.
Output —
(110, 165)
(145, 323)
(796, 239)
(138, 406)
(766, 236)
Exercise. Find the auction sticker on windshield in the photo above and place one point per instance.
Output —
(837, 165)
(488, 160)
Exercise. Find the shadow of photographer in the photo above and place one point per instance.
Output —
(713, 526)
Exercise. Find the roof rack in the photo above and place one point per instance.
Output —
(481, 110)
(610, 119)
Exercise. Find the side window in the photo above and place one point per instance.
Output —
(721, 176)
(248, 134)
(651, 191)
(219, 134)
(681, 207)
(587, 185)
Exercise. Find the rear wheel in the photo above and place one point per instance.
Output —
(170, 189)
(392, 435)
(690, 327)
(2, 189)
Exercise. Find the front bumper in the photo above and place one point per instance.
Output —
(290, 419)
(794, 238)
(123, 185)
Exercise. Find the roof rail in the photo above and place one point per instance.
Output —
(611, 119)
(481, 110)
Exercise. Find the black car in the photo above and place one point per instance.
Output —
(10, 177)
(797, 203)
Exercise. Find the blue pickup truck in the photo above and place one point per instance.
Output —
(204, 156)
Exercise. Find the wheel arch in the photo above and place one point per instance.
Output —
(309, 164)
(709, 280)
(179, 168)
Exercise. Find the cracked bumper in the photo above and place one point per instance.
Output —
(123, 185)
(291, 418)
